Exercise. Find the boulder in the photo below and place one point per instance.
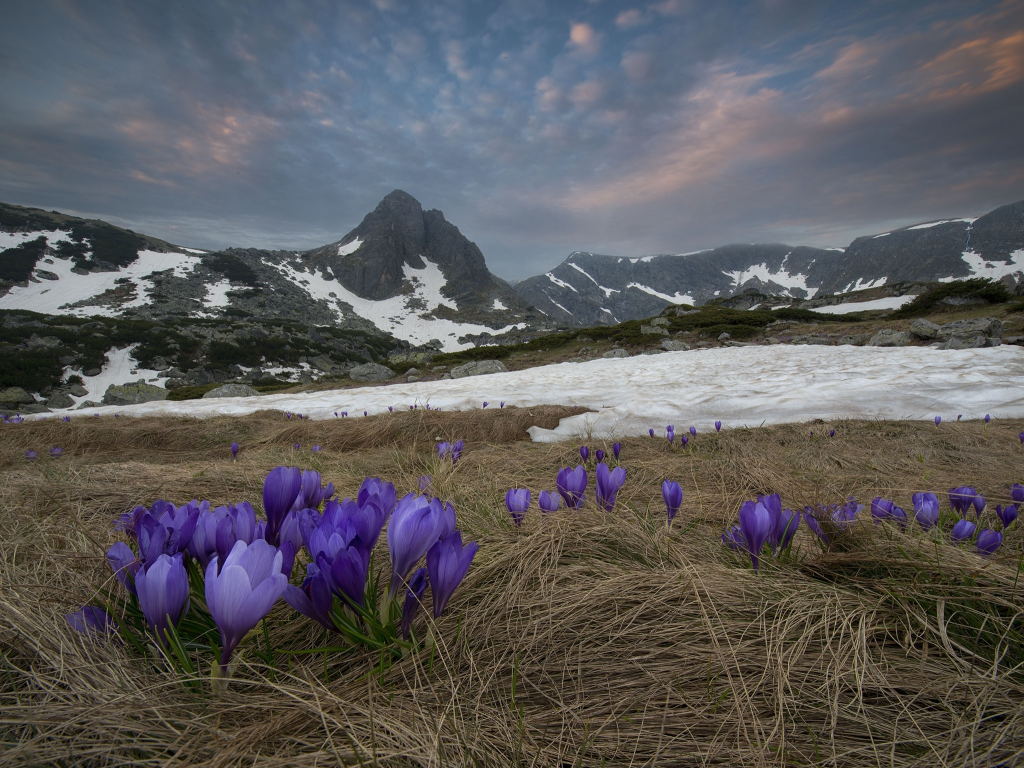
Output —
(961, 342)
(371, 372)
(978, 326)
(175, 382)
(88, 404)
(856, 340)
(132, 394)
(322, 363)
(15, 396)
(660, 321)
(78, 390)
(925, 329)
(724, 336)
(656, 329)
(887, 337)
(616, 353)
(478, 368)
(670, 345)
(59, 400)
(771, 340)
(232, 390)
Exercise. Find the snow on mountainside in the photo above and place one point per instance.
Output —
(404, 272)
(589, 289)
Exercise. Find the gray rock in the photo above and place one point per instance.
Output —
(656, 329)
(670, 345)
(660, 321)
(723, 336)
(92, 371)
(979, 326)
(730, 343)
(925, 329)
(653, 352)
(159, 364)
(823, 341)
(78, 390)
(961, 342)
(88, 404)
(232, 390)
(371, 372)
(412, 379)
(575, 360)
(616, 353)
(175, 382)
(771, 340)
(132, 394)
(200, 376)
(993, 341)
(15, 396)
(887, 337)
(478, 368)
(413, 372)
(59, 400)
(322, 363)
(446, 376)
(856, 340)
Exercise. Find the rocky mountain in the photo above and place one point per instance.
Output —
(591, 289)
(403, 272)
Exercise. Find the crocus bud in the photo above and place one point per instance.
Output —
(938, 420)
(718, 426)
(693, 431)
(616, 449)
(599, 455)
(448, 562)
(163, 594)
(584, 453)
(756, 527)
(234, 450)
(548, 502)
(989, 541)
(926, 509)
(672, 493)
(517, 500)
(962, 531)
(608, 484)
(572, 484)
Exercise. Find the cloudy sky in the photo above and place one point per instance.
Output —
(538, 128)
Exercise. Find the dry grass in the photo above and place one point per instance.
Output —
(629, 644)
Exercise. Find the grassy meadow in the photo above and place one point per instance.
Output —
(580, 639)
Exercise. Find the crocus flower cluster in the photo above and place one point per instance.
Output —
(451, 451)
(763, 522)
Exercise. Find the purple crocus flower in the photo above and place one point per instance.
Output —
(413, 597)
(609, 481)
(1017, 493)
(693, 431)
(373, 488)
(517, 501)
(733, 538)
(56, 453)
(672, 493)
(425, 481)
(90, 618)
(987, 420)
(391, 409)
(287, 414)
(241, 591)
(30, 455)
(313, 598)
(443, 449)
(785, 529)
(1007, 514)
(457, 451)
(124, 564)
(335, 414)
(963, 531)
(296, 446)
(670, 433)
(65, 419)
(502, 404)
(831, 433)
(959, 416)
(280, 489)
(448, 562)
(317, 449)
(926, 509)
(989, 541)
(756, 526)
(1021, 436)
(961, 499)
(599, 455)
(938, 420)
(651, 431)
(572, 484)
(415, 526)
(584, 453)
(485, 403)
(718, 426)
(163, 594)
(979, 503)
(616, 449)
(548, 502)
(234, 450)
(364, 413)
(684, 440)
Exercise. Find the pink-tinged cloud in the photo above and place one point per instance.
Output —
(631, 18)
(637, 65)
(584, 39)
(587, 93)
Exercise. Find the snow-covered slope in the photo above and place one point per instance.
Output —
(740, 386)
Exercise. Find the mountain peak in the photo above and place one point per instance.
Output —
(398, 200)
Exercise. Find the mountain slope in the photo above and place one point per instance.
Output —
(588, 289)
(403, 271)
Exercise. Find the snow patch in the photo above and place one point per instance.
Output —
(498, 305)
(50, 296)
(741, 386)
(993, 269)
(561, 283)
(764, 274)
(120, 368)
(345, 250)
(14, 239)
(678, 298)
(402, 316)
(931, 224)
(217, 294)
(889, 302)
(884, 234)
(192, 250)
